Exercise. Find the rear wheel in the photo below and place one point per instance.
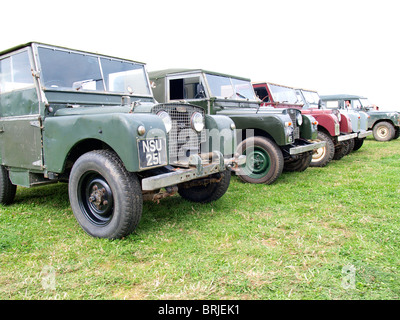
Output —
(105, 199)
(7, 189)
(264, 160)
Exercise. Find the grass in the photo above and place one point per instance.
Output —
(295, 239)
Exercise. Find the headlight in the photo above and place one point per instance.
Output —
(166, 119)
(197, 121)
(299, 119)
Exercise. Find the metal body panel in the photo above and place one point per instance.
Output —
(115, 129)
(21, 142)
(270, 124)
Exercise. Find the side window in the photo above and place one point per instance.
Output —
(332, 104)
(15, 73)
(176, 89)
(356, 104)
(186, 88)
(262, 94)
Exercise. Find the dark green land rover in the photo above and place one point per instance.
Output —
(272, 139)
(91, 120)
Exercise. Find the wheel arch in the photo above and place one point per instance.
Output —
(82, 147)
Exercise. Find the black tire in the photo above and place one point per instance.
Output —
(300, 164)
(7, 189)
(105, 198)
(350, 146)
(209, 191)
(396, 133)
(358, 143)
(322, 156)
(341, 150)
(383, 131)
(264, 160)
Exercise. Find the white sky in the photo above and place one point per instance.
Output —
(349, 46)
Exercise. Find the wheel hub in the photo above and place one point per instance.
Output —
(259, 162)
(96, 199)
(382, 132)
(100, 197)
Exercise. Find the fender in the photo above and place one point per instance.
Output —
(378, 116)
(221, 135)
(325, 120)
(355, 119)
(272, 124)
(309, 127)
(118, 130)
(345, 124)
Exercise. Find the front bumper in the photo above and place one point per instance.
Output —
(364, 133)
(199, 167)
(308, 147)
(344, 137)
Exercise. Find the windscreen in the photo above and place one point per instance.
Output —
(62, 69)
(283, 94)
(230, 88)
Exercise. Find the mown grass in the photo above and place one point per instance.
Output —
(294, 239)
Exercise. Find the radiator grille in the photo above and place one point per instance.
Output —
(182, 139)
(293, 113)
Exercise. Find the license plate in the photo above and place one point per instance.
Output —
(152, 152)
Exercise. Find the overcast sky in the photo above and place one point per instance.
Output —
(349, 46)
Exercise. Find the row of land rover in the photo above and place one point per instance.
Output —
(120, 135)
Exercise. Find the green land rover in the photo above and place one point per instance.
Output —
(272, 139)
(91, 120)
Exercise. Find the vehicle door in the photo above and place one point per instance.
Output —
(20, 122)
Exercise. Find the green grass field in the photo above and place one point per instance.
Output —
(325, 233)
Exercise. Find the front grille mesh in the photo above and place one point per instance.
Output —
(182, 139)
(293, 113)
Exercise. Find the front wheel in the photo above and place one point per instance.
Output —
(350, 146)
(341, 150)
(209, 189)
(299, 165)
(105, 199)
(264, 160)
(322, 156)
(358, 143)
(383, 131)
